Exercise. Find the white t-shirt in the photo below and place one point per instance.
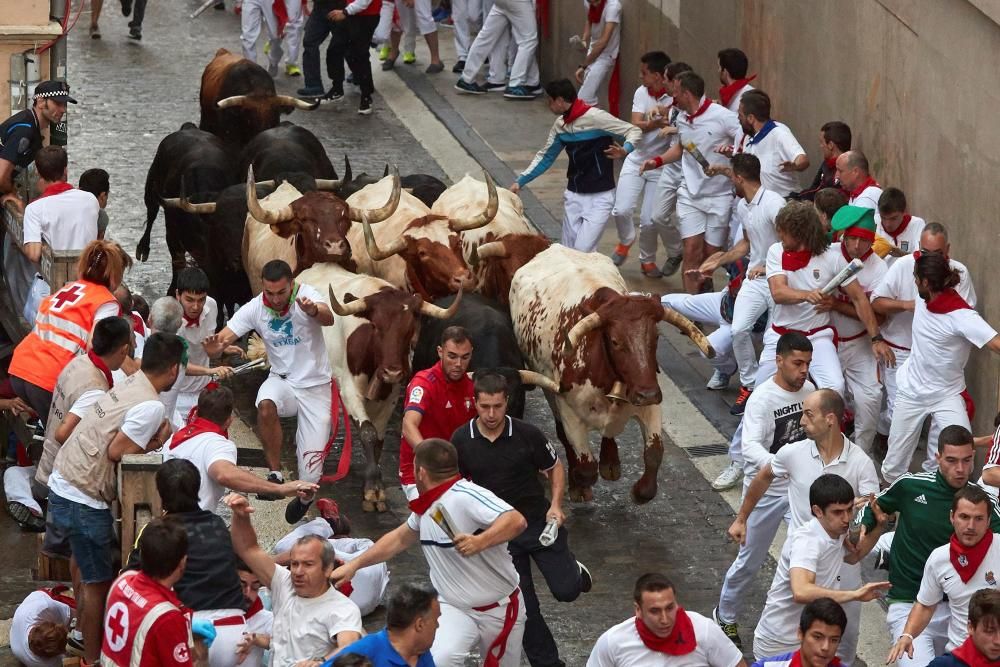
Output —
(37, 607)
(939, 351)
(802, 465)
(651, 144)
(898, 283)
(261, 623)
(66, 221)
(908, 240)
(758, 223)
(307, 628)
(871, 274)
(140, 424)
(771, 421)
(717, 125)
(620, 646)
(294, 343)
(369, 582)
(203, 450)
(85, 401)
(941, 579)
(612, 14)
(779, 145)
(462, 582)
(196, 353)
(868, 198)
(810, 548)
(734, 102)
(813, 276)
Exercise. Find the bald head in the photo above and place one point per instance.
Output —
(934, 238)
(852, 169)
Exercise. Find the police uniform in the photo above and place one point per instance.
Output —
(20, 139)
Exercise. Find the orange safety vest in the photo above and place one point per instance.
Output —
(62, 329)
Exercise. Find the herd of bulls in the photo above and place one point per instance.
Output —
(401, 259)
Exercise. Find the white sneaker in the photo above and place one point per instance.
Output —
(729, 477)
(719, 380)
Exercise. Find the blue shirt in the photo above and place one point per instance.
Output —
(379, 650)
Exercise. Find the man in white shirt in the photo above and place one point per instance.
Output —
(897, 226)
(602, 35)
(663, 633)
(955, 571)
(812, 567)
(312, 619)
(733, 67)
(821, 626)
(932, 380)
(771, 421)
(781, 155)
(288, 317)
(464, 530)
(857, 181)
(39, 628)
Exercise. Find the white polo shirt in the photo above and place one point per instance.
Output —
(758, 216)
(779, 145)
(620, 646)
(813, 276)
(941, 579)
(810, 548)
(867, 198)
(651, 144)
(907, 240)
(203, 450)
(717, 125)
(463, 582)
(771, 421)
(871, 274)
(802, 465)
(66, 221)
(194, 335)
(612, 13)
(898, 283)
(939, 351)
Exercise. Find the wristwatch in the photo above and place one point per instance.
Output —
(878, 338)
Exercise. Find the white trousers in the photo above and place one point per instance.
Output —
(907, 422)
(383, 31)
(595, 76)
(17, 487)
(415, 19)
(293, 30)
(255, 13)
(706, 309)
(708, 216)
(222, 653)
(929, 643)
(460, 631)
(584, 217)
(861, 377)
(633, 186)
(519, 17)
(311, 406)
(889, 381)
(752, 301)
(182, 408)
(825, 367)
(463, 17)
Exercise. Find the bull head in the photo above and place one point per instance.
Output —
(359, 306)
(484, 218)
(282, 100)
(373, 215)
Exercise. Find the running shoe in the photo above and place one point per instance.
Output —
(291, 69)
(718, 381)
(383, 53)
(365, 108)
(670, 266)
(620, 254)
(469, 88)
(409, 58)
(732, 630)
(651, 270)
(275, 478)
(296, 509)
(741, 401)
(458, 67)
(519, 93)
(587, 580)
(729, 477)
(495, 87)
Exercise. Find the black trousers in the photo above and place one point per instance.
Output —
(351, 41)
(39, 399)
(558, 565)
(316, 30)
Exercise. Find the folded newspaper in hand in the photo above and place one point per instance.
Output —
(441, 517)
(845, 274)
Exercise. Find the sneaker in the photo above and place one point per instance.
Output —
(334, 95)
(310, 91)
(409, 58)
(291, 69)
(440, 14)
(732, 630)
(274, 477)
(135, 33)
(26, 519)
(74, 643)
(741, 401)
(670, 266)
(295, 510)
(383, 53)
(434, 68)
(882, 559)
(126, 7)
(495, 87)
(718, 381)
(469, 88)
(95, 32)
(519, 93)
(620, 254)
(329, 510)
(587, 581)
(388, 64)
(365, 108)
(650, 270)
(729, 477)
(458, 67)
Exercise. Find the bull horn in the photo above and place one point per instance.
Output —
(439, 313)
(374, 215)
(379, 254)
(234, 101)
(259, 213)
(185, 205)
(687, 327)
(170, 202)
(492, 249)
(484, 218)
(329, 183)
(289, 101)
(348, 175)
(353, 308)
(539, 380)
(581, 329)
(265, 184)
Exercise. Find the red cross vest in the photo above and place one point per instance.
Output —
(135, 603)
(61, 332)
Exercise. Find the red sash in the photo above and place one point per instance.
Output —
(55, 189)
(680, 641)
(946, 302)
(197, 426)
(727, 91)
(594, 12)
(56, 593)
(498, 648)
(966, 560)
(781, 331)
(423, 502)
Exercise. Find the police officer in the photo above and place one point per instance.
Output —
(505, 455)
(21, 134)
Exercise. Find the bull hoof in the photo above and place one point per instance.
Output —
(584, 474)
(367, 506)
(581, 494)
(381, 506)
(642, 492)
(611, 471)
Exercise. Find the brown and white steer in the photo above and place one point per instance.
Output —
(500, 260)
(369, 346)
(414, 249)
(577, 323)
(304, 229)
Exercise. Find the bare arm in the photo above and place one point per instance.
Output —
(597, 48)
(33, 251)
(916, 622)
(236, 478)
(992, 475)
(65, 429)
(122, 445)
(738, 251)
(758, 487)
(886, 306)
(994, 345)
(863, 307)
(507, 526)
(557, 476)
(805, 590)
(216, 343)
(411, 427)
(245, 539)
(785, 295)
(389, 545)
(672, 154)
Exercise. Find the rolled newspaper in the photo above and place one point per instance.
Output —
(696, 154)
(845, 274)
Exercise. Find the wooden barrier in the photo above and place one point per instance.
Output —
(137, 496)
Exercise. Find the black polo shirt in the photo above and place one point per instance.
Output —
(20, 138)
(509, 465)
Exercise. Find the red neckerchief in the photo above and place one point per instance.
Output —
(656, 94)
(917, 253)
(861, 188)
(137, 324)
(702, 109)
(56, 188)
(970, 655)
(946, 302)
(195, 321)
(680, 641)
(966, 560)
(594, 12)
(256, 606)
(423, 502)
(793, 260)
(843, 251)
(578, 109)
(796, 661)
(197, 426)
(899, 230)
(345, 588)
(727, 91)
(101, 366)
(830, 162)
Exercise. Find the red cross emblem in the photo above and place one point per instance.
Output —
(66, 296)
(116, 627)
